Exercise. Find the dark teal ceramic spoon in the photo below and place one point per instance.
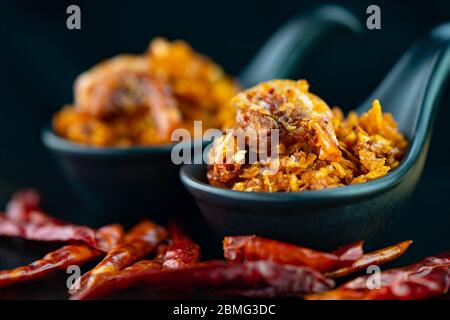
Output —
(287, 50)
(329, 218)
(123, 184)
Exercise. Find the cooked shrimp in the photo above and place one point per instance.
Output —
(123, 85)
(140, 99)
(288, 106)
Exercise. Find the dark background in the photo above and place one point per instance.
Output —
(40, 58)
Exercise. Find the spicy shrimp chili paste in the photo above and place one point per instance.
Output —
(140, 99)
(318, 147)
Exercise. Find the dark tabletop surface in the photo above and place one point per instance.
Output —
(40, 58)
(17, 252)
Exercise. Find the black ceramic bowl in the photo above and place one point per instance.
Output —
(120, 184)
(332, 217)
(322, 219)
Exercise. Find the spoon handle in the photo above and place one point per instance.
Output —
(287, 48)
(411, 90)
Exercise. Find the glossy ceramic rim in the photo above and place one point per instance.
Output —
(339, 193)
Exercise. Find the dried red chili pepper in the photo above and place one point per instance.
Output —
(141, 240)
(7, 227)
(182, 252)
(376, 257)
(265, 277)
(25, 219)
(75, 254)
(25, 207)
(48, 232)
(103, 285)
(109, 236)
(153, 264)
(21, 203)
(348, 254)
(252, 248)
(427, 278)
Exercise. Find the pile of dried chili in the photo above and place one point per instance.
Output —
(152, 259)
